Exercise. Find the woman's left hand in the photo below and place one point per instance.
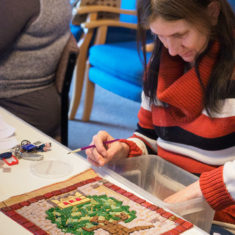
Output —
(190, 192)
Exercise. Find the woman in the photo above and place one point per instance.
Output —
(33, 34)
(187, 114)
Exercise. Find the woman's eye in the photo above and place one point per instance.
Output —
(180, 35)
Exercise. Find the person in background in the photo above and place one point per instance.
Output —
(33, 34)
(187, 114)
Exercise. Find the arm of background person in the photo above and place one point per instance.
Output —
(216, 186)
(15, 15)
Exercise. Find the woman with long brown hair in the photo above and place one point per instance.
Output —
(187, 114)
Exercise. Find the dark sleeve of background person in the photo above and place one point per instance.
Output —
(15, 15)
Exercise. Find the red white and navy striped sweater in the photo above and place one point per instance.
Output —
(197, 146)
(182, 132)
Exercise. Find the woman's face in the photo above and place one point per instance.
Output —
(180, 38)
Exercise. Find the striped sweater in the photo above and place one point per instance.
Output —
(181, 131)
(197, 146)
(218, 187)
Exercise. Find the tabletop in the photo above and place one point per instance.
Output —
(21, 178)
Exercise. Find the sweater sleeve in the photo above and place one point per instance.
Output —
(14, 17)
(218, 186)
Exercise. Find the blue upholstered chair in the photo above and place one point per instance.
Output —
(232, 3)
(113, 61)
(76, 31)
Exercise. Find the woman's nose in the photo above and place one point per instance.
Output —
(172, 46)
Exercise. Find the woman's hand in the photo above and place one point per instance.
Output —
(103, 153)
(190, 192)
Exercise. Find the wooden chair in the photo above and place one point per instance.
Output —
(96, 28)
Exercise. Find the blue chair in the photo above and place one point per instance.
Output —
(113, 63)
(232, 3)
(76, 31)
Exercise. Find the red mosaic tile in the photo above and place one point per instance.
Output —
(5, 209)
(56, 192)
(52, 193)
(90, 181)
(40, 232)
(140, 201)
(179, 221)
(16, 217)
(48, 195)
(115, 187)
(34, 229)
(160, 211)
(82, 183)
(28, 225)
(127, 194)
(187, 225)
(153, 208)
(10, 213)
(171, 232)
(22, 220)
(146, 204)
(134, 198)
(32, 200)
(108, 184)
(25, 203)
(72, 187)
(121, 191)
(180, 228)
(16, 206)
(64, 190)
(97, 178)
(38, 198)
(166, 215)
(77, 185)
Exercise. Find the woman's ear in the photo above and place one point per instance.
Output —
(214, 11)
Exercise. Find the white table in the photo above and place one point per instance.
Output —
(19, 179)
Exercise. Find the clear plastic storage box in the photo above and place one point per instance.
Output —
(161, 179)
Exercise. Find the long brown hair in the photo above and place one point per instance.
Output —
(192, 11)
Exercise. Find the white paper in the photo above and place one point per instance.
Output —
(7, 137)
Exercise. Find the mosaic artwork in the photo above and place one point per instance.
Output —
(88, 204)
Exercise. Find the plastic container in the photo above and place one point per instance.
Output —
(161, 179)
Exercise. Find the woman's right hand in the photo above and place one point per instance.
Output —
(190, 192)
(104, 153)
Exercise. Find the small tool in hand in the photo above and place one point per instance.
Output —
(91, 146)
